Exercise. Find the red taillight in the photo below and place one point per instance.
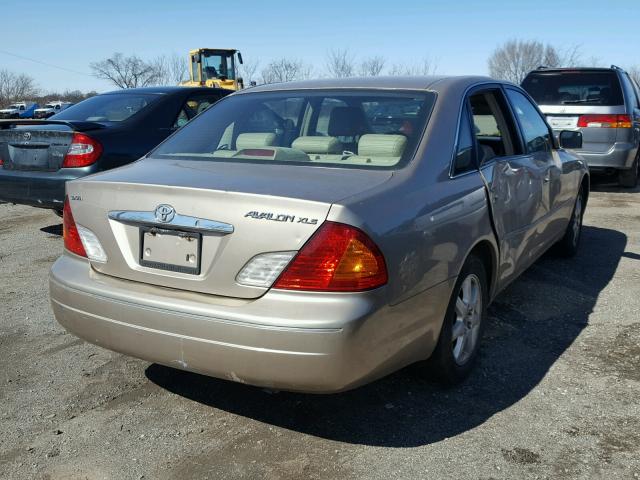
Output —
(337, 258)
(605, 121)
(1, 162)
(70, 233)
(82, 152)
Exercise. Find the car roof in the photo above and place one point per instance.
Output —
(576, 69)
(433, 82)
(163, 90)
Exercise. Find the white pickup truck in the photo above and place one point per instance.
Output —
(50, 109)
(19, 110)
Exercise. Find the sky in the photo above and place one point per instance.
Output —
(458, 36)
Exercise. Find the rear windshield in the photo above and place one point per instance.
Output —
(360, 129)
(574, 88)
(114, 107)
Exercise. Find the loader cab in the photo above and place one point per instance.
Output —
(215, 68)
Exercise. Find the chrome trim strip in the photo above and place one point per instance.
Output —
(179, 221)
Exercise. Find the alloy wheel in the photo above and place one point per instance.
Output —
(468, 315)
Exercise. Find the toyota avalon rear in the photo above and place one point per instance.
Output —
(226, 251)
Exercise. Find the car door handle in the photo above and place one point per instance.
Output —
(546, 179)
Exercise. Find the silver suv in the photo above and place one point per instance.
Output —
(604, 104)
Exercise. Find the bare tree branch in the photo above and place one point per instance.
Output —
(285, 70)
(249, 71)
(125, 72)
(426, 67)
(15, 87)
(170, 69)
(372, 66)
(514, 59)
(340, 63)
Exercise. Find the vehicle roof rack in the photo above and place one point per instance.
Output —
(615, 67)
(542, 67)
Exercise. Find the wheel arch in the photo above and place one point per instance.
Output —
(487, 251)
(585, 184)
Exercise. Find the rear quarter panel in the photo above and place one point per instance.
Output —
(424, 221)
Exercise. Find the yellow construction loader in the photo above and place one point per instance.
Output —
(214, 67)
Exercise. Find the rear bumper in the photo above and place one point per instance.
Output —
(284, 340)
(38, 189)
(620, 156)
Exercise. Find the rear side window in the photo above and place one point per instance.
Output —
(464, 151)
(574, 88)
(534, 128)
(630, 91)
(113, 107)
(193, 106)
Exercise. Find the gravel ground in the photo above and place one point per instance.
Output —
(555, 395)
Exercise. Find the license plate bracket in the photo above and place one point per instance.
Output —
(170, 250)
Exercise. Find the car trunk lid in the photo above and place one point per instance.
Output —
(231, 212)
(38, 145)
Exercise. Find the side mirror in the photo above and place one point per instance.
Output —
(240, 58)
(570, 139)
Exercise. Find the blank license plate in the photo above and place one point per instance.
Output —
(170, 250)
(559, 123)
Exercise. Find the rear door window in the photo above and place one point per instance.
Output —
(574, 88)
(534, 129)
(493, 126)
(194, 105)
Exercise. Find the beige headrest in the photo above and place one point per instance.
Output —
(255, 140)
(381, 145)
(317, 144)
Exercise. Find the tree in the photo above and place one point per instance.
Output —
(170, 69)
(340, 63)
(634, 72)
(513, 60)
(285, 70)
(126, 72)
(15, 87)
(372, 66)
(248, 71)
(425, 67)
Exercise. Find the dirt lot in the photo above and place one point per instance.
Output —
(556, 394)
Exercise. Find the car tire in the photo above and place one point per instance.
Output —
(629, 178)
(569, 243)
(458, 344)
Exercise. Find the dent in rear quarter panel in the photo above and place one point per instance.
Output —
(425, 235)
(425, 223)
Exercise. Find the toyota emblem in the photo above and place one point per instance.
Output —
(165, 213)
(26, 136)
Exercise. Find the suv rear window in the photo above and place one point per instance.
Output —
(356, 129)
(574, 88)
